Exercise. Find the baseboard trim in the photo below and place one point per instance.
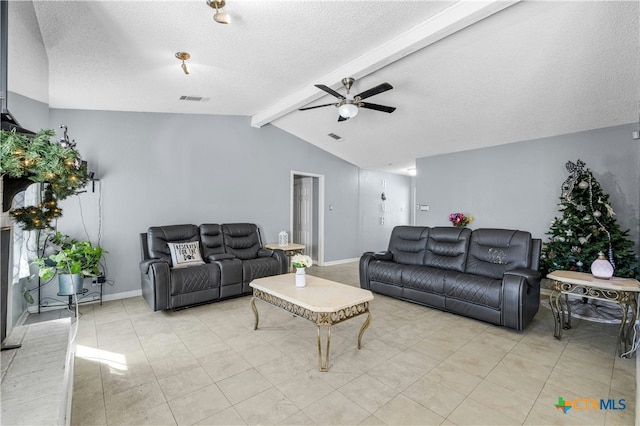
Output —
(340, 262)
(33, 309)
(123, 295)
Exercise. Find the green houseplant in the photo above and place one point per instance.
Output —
(74, 261)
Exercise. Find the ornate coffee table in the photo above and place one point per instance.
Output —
(623, 291)
(321, 301)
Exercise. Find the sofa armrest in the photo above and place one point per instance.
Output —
(221, 256)
(520, 297)
(263, 252)
(364, 269)
(146, 264)
(383, 255)
(156, 281)
(531, 276)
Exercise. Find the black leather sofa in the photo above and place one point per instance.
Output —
(487, 274)
(233, 256)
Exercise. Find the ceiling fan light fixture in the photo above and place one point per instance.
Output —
(221, 16)
(183, 56)
(348, 110)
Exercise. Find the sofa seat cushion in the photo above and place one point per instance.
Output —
(426, 279)
(386, 272)
(194, 278)
(474, 289)
(258, 268)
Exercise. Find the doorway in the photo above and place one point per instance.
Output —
(307, 213)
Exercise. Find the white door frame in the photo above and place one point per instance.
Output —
(320, 208)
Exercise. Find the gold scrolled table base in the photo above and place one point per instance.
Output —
(622, 291)
(322, 301)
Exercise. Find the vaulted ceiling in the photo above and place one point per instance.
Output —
(466, 74)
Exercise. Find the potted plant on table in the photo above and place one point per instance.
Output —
(74, 261)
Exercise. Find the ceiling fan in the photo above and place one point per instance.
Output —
(349, 105)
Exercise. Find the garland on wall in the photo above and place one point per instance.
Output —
(58, 165)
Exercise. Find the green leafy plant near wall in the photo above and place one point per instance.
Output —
(40, 160)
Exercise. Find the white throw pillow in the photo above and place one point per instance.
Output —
(185, 254)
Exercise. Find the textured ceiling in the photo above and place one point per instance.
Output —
(533, 69)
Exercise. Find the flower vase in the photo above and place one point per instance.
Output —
(301, 277)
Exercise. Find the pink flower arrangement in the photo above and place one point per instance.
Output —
(460, 220)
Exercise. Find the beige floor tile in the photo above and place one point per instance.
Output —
(87, 392)
(402, 410)
(134, 405)
(502, 400)
(472, 412)
(267, 408)
(226, 417)
(243, 385)
(437, 397)
(298, 419)
(305, 389)
(278, 370)
(368, 392)
(372, 421)
(198, 405)
(223, 366)
(454, 377)
(258, 354)
(184, 382)
(477, 359)
(336, 409)
(531, 377)
(89, 413)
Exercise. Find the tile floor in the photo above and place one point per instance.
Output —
(206, 365)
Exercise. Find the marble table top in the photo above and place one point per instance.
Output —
(319, 295)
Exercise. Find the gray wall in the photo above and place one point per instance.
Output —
(160, 169)
(397, 189)
(518, 185)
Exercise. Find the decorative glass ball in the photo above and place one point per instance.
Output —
(579, 264)
(583, 185)
(597, 213)
(601, 268)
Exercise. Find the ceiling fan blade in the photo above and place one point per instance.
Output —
(330, 91)
(317, 106)
(377, 107)
(374, 91)
(341, 118)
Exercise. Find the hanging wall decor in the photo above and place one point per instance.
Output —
(57, 165)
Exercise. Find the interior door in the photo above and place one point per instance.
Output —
(303, 212)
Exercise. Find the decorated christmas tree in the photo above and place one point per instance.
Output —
(587, 227)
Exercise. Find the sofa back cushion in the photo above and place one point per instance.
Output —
(212, 239)
(241, 240)
(492, 252)
(408, 243)
(447, 248)
(159, 237)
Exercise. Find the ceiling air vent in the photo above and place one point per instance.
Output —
(194, 98)
(333, 135)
